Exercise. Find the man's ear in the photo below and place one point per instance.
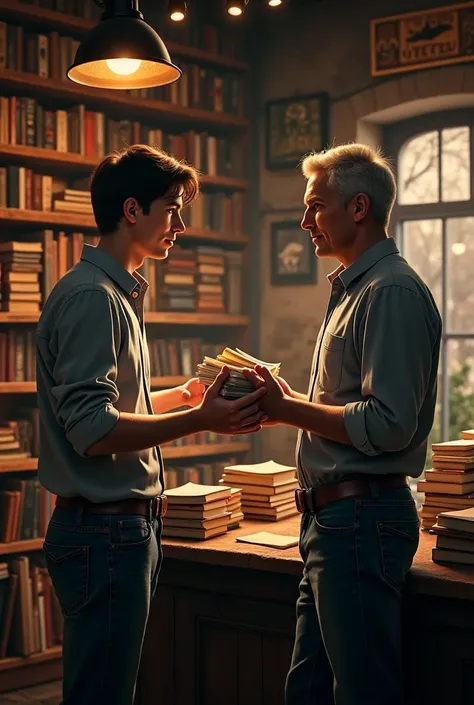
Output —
(360, 207)
(130, 210)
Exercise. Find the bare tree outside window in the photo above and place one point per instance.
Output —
(436, 232)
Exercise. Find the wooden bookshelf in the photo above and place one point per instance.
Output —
(28, 465)
(167, 318)
(203, 449)
(21, 546)
(23, 13)
(35, 219)
(21, 661)
(67, 161)
(16, 224)
(22, 83)
(17, 387)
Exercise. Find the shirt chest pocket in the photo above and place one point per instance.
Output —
(330, 362)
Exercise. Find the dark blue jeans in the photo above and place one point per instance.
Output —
(356, 554)
(104, 570)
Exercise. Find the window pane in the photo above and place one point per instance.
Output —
(455, 164)
(418, 170)
(423, 249)
(461, 386)
(460, 266)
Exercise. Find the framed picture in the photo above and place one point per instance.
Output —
(294, 127)
(293, 260)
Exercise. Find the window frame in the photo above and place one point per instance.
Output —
(395, 137)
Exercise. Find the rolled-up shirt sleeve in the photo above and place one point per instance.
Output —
(85, 346)
(396, 352)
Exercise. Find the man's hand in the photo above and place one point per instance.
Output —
(192, 392)
(237, 416)
(273, 401)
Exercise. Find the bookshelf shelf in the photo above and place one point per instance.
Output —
(20, 83)
(17, 387)
(21, 661)
(29, 465)
(23, 12)
(21, 546)
(35, 219)
(68, 161)
(153, 317)
(205, 449)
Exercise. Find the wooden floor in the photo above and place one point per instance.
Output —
(45, 694)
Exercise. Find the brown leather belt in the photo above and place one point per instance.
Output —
(155, 507)
(308, 500)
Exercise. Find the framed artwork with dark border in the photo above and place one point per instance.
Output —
(293, 260)
(294, 127)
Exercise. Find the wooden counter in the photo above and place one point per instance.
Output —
(222, 624)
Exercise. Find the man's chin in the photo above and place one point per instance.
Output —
(322, 251)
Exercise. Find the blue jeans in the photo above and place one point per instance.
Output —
(356, 554)
(104, 569)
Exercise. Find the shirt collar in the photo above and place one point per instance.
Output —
(365, 262)
(126, 281)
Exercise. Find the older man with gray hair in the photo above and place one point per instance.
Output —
(363, 428)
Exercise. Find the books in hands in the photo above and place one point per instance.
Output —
(237, 385)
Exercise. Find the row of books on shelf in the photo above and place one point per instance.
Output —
(19, 438)
(204, 278)
(25, 121)
(49, 55)
(26, 508)
(218, 40)
(26, 189)
(30, 615)
(179, 356)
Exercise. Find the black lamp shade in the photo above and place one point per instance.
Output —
(124, 38)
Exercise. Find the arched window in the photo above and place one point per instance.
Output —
(433, 223)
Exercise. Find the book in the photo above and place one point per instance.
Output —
(193, 493)
(237, 385)
(458, 447)
(449, 556)
(269, 473)
(264, 538)
(461, 520)
(445, 487)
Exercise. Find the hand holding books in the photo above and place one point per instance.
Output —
(238, 384)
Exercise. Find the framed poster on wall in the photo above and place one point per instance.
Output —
(423, 39)
(292, 256)
(294, 127)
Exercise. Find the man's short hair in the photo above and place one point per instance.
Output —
(140, 172)
(357, 168)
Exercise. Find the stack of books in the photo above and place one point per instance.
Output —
(210, 279)
(268, 489)
(237, 385)
(454, 537)
(176, 281)
(234, 507)
(73, 201)
(10, 447)
(450, 484)
(196, 511)
(21, 264)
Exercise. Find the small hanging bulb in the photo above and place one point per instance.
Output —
(236, 7)
(177, 10)
(274, 3)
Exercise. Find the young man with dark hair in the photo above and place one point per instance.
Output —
(101, 427)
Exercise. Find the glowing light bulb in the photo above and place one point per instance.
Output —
(123, 67)
(274, 3)
(234, 11)
(177, 16)
(458, 248)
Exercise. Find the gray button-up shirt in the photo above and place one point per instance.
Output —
(93, 363)
(377, 356)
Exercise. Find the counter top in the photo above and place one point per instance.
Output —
(425, 577)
